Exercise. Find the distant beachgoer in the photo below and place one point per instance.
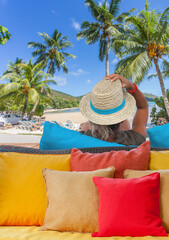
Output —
(107, 108)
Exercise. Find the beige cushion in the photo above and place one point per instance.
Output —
(73, 200)
(164, 191)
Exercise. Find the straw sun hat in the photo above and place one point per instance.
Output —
(108, 103)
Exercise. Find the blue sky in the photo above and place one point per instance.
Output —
(25, 18)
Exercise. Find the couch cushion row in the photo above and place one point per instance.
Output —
(33, 233)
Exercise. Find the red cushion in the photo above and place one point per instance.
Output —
(136, 159)
(129, 207)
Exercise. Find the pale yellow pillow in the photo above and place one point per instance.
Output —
(164, 191)
(159, 160)
(73, 200)
(22, 189)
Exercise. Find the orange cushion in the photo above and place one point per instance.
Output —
(136, 159)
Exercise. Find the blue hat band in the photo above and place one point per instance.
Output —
(107, 111)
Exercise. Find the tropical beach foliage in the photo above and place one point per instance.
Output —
(145, 44)
(164, 71)
(51, 53)
(14, 67)
(4, 35)
(162, 113)
(107, 23)
(59, 102)
(29, 85)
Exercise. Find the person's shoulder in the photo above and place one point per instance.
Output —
(133, 132)
(129, 137)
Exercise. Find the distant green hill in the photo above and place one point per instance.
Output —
(62, 100)
(150, 97)
(63, 95)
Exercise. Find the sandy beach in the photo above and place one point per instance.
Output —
(75, 117)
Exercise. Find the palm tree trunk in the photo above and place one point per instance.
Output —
(49, 68)
(107, 56)
(33, 109)
(166, 103)
(24, 107)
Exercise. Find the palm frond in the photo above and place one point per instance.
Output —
(138, 26)
(166, 49)
(36, 45)
(114, 7)
(165, 16)
(38, 52)
(11, 87)
(65, 70)
(93, 7)
(122, 17)
(154, 75)
(135, 67)
(91, 32)
(161, 33)
(33, 95)
(46, 82)
(69, 55)
(11, 76)
(46, 39)
(9, 95)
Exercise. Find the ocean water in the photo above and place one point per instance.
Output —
(151, 105)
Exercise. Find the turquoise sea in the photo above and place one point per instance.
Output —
(151, 105)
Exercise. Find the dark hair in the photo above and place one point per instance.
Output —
(114, 127)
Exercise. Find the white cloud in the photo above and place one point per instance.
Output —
(79, 72)
(114, 61)
(61, 81)
(75, 25)
(88, 81)
(73, 66)
(53, 11)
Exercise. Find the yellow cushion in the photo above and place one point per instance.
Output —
(22, 188)
(159, 160)
(33, 233)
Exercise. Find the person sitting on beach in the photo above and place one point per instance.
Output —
(108, 107)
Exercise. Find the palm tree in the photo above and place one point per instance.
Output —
(107, 23)
(14, 67)
(146, 43)
(4, 35)
(164, 72)
(51, 53)
(29, 86)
